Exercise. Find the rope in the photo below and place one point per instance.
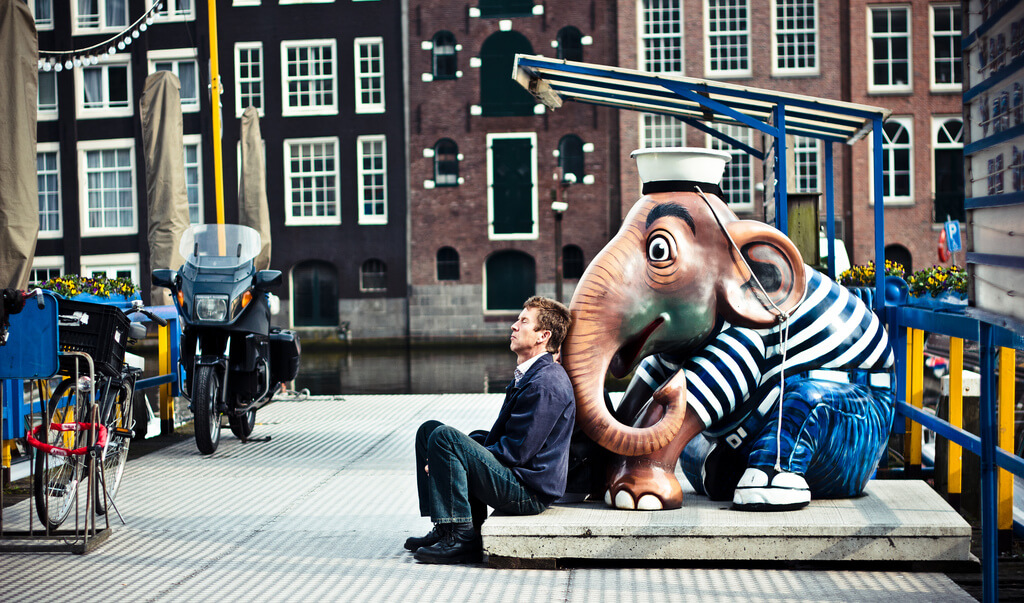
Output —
(781, 317)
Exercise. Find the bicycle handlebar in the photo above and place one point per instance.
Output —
(137, 307)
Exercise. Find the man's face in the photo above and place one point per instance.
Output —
(525, 336)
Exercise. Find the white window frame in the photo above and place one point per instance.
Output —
(239, 80)
(305, 2)
(362, 173)
(805, 147)
(53, 147)
(49, 114)
(518, 236)
(665, 127)
(47, 262)
(246, 2)
(176, 56)
(41, 25)
(360, 75)
(908, 124)
(936, 86)
(815, 69)
(197, 141)
(739, 157)
(110, 263)
(102, 26)
(287, 109)
(890, 88)
(674, 37)
(164, 15)
(117, 60)
(289, 219)
(743, 33)
(85, 146)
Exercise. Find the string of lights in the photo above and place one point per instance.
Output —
(59, 60)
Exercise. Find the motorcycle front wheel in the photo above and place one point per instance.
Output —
(243, 424)
(204, 406)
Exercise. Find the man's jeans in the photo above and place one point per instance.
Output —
(465, 478)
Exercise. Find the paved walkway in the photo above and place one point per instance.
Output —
(320, 512)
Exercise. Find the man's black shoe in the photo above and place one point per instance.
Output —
(431, 537)
(460, 544)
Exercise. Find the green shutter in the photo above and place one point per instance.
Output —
(511, 280)
(512, 185)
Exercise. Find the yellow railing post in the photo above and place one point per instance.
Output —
(166, 400)
(954, 464)
(1007, 375)
(915, 397)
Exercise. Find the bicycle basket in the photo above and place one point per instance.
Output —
(96, 329)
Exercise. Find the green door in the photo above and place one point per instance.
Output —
(512, 185)
(511, 280)
(315, 287)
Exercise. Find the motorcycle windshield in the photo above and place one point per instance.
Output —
(219, 245)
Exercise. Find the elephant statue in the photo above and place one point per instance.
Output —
(772, 383)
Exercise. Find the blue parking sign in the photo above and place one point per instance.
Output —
(953, 236)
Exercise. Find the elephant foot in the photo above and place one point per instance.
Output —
(764, 489)
(639, 483)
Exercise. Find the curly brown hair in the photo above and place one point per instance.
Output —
(552, 316)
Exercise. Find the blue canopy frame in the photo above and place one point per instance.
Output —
(696, 101)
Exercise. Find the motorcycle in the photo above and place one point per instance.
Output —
(231, 358)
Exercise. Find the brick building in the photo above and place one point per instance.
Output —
(819, 49)
(485, 162)
(906, 58)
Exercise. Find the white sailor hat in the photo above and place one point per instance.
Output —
(667, 169)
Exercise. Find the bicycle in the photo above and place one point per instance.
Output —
(88, 417)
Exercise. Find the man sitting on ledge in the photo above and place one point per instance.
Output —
(519, 466)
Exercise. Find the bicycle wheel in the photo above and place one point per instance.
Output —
(118, 419)
(243, 424)
(204, 405)
(55, 479)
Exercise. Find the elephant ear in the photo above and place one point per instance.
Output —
(775, 261)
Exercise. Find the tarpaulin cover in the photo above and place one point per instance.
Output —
(252, 190)
(164, 150)
(19, 191)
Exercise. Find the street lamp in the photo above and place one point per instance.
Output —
(558, 206)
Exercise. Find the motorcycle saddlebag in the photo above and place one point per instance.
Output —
(284, 355)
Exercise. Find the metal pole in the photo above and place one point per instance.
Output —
(558, 255)
(989, 527)
(218, 159)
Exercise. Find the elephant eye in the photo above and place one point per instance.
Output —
(659, 249)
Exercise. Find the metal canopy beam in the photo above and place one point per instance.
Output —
(554, 81)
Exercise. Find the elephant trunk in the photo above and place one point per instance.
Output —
(592, 346)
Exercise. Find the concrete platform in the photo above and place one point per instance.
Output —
(896, 521)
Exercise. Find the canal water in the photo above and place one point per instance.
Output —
(408, 370)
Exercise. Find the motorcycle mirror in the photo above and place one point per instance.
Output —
(164, 277)
(267, 279)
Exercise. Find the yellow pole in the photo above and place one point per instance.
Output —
(956, 413)
(166, 400)
(218, 159)
(1007, 368)
(5, 455)
(915, 395)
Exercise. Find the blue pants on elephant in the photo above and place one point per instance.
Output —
(832, 434)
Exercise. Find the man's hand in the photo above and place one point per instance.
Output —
(426, 469)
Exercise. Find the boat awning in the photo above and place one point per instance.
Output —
(553, 81)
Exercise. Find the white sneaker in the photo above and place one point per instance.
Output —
(764, 489)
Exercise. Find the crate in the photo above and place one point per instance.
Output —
(103, 334)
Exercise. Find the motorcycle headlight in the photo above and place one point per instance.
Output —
(211, 307)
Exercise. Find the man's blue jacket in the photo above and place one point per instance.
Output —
(532, 431)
